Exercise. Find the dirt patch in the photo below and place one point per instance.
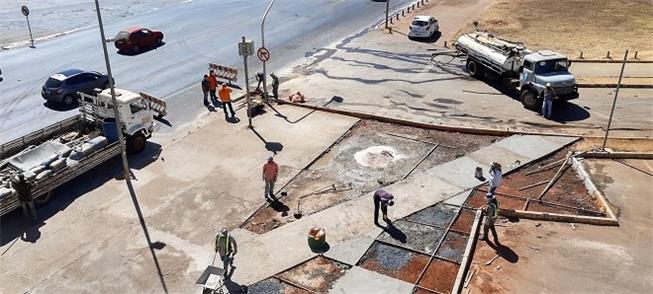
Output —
(464, 221)
(394, 262)
(273, 285)
(571, 26)
(625, 145)
(413, 236)
(568, 194)
(317, 274)
(440, 276)
(614, 80)
(453, 246)
(371, 152)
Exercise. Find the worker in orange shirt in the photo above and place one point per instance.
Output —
(225, 97)
(270, 171)
(213, 85)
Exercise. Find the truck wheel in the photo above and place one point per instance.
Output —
(529, 100)
(43, 198)
(474, 69)
(136, 143)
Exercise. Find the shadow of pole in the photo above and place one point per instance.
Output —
(141, 219)
(281, 115)
(273, 147)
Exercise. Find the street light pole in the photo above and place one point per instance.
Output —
(387, 9)
(249, 104)
(614, 101)
(123, 151)
(116, 113)
(265, 74)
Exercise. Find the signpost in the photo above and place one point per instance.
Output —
(245, 49)
(25, 12)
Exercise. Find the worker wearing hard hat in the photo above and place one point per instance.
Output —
(547, 104)
(226, 246)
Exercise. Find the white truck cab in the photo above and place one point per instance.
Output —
(546, 66)
(137, 112)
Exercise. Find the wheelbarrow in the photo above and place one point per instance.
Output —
(212, 279)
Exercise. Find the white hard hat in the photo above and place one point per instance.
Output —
(548, 84)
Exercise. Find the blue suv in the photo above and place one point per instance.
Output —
(63, 86)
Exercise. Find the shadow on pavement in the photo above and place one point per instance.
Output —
(59, 106)
(14, 225)
(141, 51)
(432, 39)
(273, 147)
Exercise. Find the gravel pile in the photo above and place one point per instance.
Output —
(418, 237)
(439, 215)
(267, 286)
(453, 246)
(389, 257)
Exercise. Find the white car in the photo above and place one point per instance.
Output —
(423, 27)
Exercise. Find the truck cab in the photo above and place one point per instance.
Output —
(136, 114)
(540, 68)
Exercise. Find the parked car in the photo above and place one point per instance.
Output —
(423, 27)
(136, 38)
(63, 86)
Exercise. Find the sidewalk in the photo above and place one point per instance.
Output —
(210, 178)
(349, 226)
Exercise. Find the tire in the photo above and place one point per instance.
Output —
(136, 143)
(68, 100)
(474, 69)
(159, 41)
(529, 100)
(136, 48)
(105, 86)
(43, 198)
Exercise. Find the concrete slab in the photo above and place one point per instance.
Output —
(529, 146)
(353, 218)
(350, 251)
(459, 172)
(359, 280)
(459, 199)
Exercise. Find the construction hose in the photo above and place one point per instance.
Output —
(447, 64)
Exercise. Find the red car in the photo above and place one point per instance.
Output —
(136, 38)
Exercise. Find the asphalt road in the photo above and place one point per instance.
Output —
(196, 33)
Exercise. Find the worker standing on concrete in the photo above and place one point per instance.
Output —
(226, 246)
(275, 86)
(547, 105)
(205, 89)
(213, 85)
(270, 172)
(491, 212)
(495, 178)
(382, 199)
(225, 97)
(24, 190)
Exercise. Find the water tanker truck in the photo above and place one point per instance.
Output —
(520, 69)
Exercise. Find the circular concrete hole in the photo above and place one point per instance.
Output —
(377, 156)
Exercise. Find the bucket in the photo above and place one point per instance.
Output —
(109, 129)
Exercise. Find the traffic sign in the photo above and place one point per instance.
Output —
(263, 54)
(246, 48)
(24, 10)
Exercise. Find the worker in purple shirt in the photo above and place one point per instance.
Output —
(382, 199)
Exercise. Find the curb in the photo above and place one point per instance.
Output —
(26, 43)
(448, 128)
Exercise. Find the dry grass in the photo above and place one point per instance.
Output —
(571, 26)
(622, 145)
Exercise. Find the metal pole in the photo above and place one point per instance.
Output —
(123, 151)
(387, 9)
(265, 73)
(30, 31)
(249, 105)
(614, 101)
